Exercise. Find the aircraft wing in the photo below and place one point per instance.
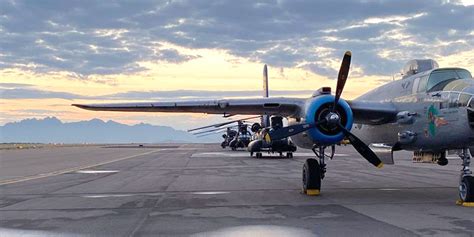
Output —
(372, 112)
(257, 106)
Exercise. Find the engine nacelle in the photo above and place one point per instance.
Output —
(317, 109)
(255, 127)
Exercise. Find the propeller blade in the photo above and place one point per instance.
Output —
(342, 76)
(215, 129)
(222, 124)
(362, 148)
(292, 130)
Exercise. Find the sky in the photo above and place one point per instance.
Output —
(55, 53)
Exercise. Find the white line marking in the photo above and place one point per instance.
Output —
(210, 193)
(54, 173)
(108, 195)
(96, 171)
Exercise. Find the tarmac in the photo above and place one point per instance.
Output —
(204, 190)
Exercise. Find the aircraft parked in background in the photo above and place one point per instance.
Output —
(238, 138)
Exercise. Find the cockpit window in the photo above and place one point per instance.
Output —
(463, 73)
(440, 78)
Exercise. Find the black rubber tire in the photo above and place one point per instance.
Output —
(251, 154)
(467, 183)
(233, 148)
(311, 175)
(289, 155)
(258, 155)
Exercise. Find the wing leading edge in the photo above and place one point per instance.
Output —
(260, 106)
(373, 113)
(365, 112)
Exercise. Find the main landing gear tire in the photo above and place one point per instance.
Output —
(466, 189)
(258, 155)
(311, 177)
(289, 155)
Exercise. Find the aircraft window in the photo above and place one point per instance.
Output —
(463, 73)
(471, 103)
(453, 100)
(464, 99)
(422, 84)
(439, 78)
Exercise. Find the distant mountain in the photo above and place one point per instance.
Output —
(52, 130)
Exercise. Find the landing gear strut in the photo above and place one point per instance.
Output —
(466, 181)
(314, 171)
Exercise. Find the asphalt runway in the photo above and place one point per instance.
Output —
(203, 190)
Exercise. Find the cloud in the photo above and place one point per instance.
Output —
(26, 93)
(34, 93)
(14, 85)
(111, 37)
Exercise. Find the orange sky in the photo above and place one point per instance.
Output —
(214, 70)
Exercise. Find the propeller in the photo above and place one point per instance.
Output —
(215, 129)
(222, 124)
(342, 77)
(363, 149)
(292, 130)
(332, 119)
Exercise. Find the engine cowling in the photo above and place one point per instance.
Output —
(255, 127)
(326, 133)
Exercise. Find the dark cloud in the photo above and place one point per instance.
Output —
(112, 36)
(26, 93)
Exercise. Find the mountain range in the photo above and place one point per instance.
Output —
(52, 130)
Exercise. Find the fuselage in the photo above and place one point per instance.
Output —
(441, 103)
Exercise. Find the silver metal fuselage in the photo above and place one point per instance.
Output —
(441, 119)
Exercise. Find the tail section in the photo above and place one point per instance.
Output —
(265, 118)
(265, 81)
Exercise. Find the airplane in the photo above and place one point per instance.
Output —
(260, 142)
(232, 138)
(430, 111)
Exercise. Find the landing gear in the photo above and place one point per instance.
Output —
(466, 182)
(314, 171)
(289, 155)
(258, 155)
(311, 177)
(442, 161)
(466, 189)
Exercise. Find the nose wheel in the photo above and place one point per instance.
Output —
(314, 171)
(311, 177)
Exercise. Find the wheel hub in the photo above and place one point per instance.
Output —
(463, 191)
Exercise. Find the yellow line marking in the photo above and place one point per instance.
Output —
(54, 173)
(312, 192)
(464, 204)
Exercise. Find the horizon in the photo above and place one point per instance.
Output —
(52, 130)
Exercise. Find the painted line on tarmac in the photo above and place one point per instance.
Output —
(54, 173)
